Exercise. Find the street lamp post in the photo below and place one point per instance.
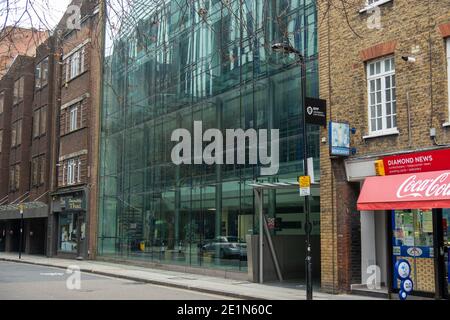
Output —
(21, 231)
(287, 49)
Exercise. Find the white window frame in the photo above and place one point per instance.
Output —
(73, 117)
(368, 6)
(38, 76)
(75, 63)
(71, 167)
(79, 171)
(44, 71)
(382, 76)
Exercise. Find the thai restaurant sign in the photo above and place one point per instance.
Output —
(406, 191)
(434, 160)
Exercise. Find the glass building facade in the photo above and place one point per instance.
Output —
(176, 62)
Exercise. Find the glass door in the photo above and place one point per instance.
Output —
(413, 240)
(81, 231)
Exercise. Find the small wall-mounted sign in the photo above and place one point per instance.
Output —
(316, 111)
(339, 139)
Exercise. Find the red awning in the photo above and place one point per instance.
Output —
(406, 191)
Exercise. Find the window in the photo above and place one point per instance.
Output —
(18, 90)
(37, 76)
(382, 96)
(15, 177)
(16, 133)
(35, 171)
(68, 232)
(39, 121)
(75, 64)
(44, 71)
(413, 230)
(11, 179)
(41, 73)
(73, 171)
(73, 118)
(42, 168)
(36, 123)
(43, 120)
(2, 101)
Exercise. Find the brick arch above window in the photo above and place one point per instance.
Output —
(444, 30)
(378, 50)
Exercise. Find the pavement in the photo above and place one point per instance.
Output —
(198, 283)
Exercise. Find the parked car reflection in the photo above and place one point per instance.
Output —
(226, 247)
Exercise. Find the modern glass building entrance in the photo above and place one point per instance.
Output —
(211, 61)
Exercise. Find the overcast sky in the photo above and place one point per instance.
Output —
(40, 14)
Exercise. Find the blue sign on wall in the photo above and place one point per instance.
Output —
(339, 139)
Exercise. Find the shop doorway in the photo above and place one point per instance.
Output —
(72, 233)
(2, 236)
(36, 230)
(374, 254)
(13, 236)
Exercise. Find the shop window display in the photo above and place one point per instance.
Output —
(68, 232)
(413, 240)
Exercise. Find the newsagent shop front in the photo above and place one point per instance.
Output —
(413, 192)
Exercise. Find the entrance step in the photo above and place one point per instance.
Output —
(362, 290)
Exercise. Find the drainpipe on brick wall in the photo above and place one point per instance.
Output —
(408, 110)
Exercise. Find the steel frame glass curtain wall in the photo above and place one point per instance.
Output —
(176, 62)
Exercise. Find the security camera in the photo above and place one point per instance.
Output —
(409, 59)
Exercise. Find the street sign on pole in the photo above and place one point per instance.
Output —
(305, 186)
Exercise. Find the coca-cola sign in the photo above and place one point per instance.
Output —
(406, 191)
(414, 187)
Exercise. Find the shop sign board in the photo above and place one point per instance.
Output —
(434, 160)
(414, 251)
(74, 204)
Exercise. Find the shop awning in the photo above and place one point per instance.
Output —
(426, 190)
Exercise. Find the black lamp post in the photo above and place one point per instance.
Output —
(287, 49)
(21, 231)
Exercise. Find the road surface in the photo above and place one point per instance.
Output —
(32, 282)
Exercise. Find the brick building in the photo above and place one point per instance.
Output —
(16, 126)
(73, 213)
(384, 71)
(48, 140)
(15, 41)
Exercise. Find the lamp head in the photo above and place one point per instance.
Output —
(285, 48)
